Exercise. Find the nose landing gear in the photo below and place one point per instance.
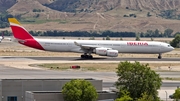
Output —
(159, 57)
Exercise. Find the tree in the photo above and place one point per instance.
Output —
(145, 97)
(175, 42)
(176, 95)
(34, 10)
(148, 14)
(137, 38)
(152, 39)
(124, 96)
(108, 38)
(121, 38)
(137, 79)
(168, 14)
(79, 90)
(92, 38)
(168, 32)
(156, 33)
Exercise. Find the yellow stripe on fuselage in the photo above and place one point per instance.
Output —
(13, 20)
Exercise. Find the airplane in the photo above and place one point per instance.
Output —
(2, 37)
(87, 47)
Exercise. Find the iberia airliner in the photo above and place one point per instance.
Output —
(88, 47)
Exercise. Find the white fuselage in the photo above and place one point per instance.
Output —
(149, 47)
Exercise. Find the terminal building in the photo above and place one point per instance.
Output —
(42, 89)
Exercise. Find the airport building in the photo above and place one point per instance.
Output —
(42, 89)
(58, 96)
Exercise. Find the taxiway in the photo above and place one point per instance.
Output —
(95, 58)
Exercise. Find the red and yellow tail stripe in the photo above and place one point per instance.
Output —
(19, 32)
(22, 35)
(13, 21)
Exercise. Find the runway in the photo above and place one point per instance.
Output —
(96, 59)
(108, 78)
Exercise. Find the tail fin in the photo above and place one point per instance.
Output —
(19, 32)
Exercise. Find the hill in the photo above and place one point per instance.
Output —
(6, 4)
(115, 15)
(106, 5)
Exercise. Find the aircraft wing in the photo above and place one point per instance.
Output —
(87, 47)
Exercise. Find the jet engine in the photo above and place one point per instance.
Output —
(106, 52)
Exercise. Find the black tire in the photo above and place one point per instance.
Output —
(90, 56)
(159, 57)
(82, 56)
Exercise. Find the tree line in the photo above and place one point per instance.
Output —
(156, 33)
(149, 33)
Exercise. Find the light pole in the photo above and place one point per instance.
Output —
(166, 95)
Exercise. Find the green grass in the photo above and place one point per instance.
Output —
(53, 66)
(168, 78)
(83, 66)
(106, 67)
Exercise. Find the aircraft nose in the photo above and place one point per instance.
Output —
(171, 48)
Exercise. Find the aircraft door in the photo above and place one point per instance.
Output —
(160, 48)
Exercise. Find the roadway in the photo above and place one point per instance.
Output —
(95, 58)
(165, 84)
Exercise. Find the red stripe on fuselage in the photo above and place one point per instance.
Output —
(31, 43)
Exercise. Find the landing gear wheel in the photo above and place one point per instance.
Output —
(86, 56)
(159, 57)
(90, 56)
(82, 56)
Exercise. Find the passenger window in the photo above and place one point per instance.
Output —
(12, 98)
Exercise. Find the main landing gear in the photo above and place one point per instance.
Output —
(159, 57)
(85, 56)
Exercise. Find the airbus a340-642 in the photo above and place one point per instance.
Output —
(88, 47)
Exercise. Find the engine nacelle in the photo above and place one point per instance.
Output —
(106, 52)
(112, 53)
(101, 51)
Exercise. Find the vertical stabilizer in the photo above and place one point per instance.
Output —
(19, 32)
